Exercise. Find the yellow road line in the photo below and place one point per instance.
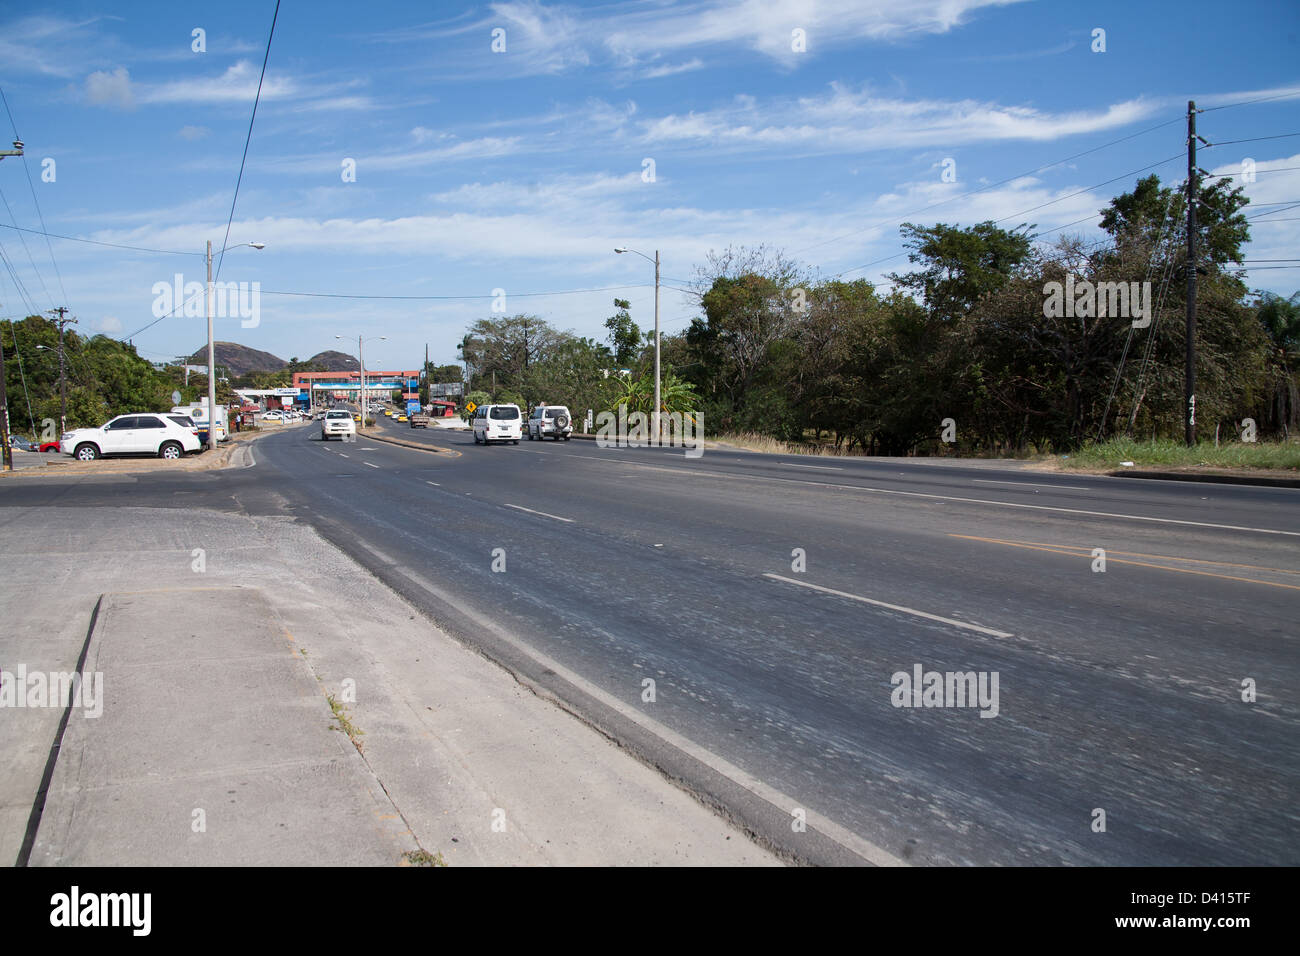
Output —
(1140, 564)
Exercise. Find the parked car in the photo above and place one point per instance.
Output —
(52, 445)
(552, 420)
(164, 435)
(18, 443)
(497, 423)
(337, 423)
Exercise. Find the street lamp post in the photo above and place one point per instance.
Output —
(361, 358)
(212, 353)
(654, 415)
(63, 391)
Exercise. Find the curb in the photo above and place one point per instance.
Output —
(418, 446)
(1262, 481)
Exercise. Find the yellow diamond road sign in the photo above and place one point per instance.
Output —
(470, 406)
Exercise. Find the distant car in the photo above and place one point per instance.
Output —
(497, 423)
(167, 436)
(18, 443)
(48, 445)
(274, 416)
(400, 418)
(553, 420)
(337, 423)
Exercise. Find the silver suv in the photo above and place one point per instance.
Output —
(552, 420)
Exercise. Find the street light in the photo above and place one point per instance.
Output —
(212, 354)
(654, 415)
(361, 358)
(63, 391)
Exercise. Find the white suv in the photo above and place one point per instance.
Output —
(337, 423)
(497, 423)
(167, 436)
(553, 420)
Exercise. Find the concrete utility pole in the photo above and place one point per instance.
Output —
(654, 415)
(212, 353)
(654, 424)
(1189, 372)
(63, 386)
(8, 454)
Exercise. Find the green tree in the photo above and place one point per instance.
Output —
(624, 335)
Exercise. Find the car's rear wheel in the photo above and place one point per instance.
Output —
(86, 452)
(171, 450)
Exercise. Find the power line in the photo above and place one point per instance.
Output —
(974, 192)
(32, 186)
(1292, 94)
(248, 139)
(1022, 212)
(39, 277)
(423, 298)
(98, 242)
(1253, 139)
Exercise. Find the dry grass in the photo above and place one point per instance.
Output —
(752, 441)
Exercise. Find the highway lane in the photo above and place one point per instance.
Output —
(1118, 690)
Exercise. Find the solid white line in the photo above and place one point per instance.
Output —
(1027, 484)
(368, 465)
(840, 834)
(434, 483)
(892, 607)
(793, 464)
(345, 456)
(976, 501)
(542, 513)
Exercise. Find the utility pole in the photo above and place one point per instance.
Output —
(1189, 373)
(8, 454)
(63, 386)
(655, 425)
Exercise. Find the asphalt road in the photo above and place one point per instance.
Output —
(1118, 691)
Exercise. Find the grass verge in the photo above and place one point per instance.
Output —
(1278, 456)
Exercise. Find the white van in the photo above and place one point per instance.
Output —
(498, 423)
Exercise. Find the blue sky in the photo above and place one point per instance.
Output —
(521, 170)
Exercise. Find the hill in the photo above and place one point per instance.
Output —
(331, 361)
(239, 359)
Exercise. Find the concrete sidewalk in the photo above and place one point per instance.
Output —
(209, 749)
(215, 679)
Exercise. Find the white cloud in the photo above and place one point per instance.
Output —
(109, 325)
(848, 120)
(556, 38)
(194, 133)
(672, 69)
(237, 84)
(110, 89)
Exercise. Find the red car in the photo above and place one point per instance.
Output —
(50, 446)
